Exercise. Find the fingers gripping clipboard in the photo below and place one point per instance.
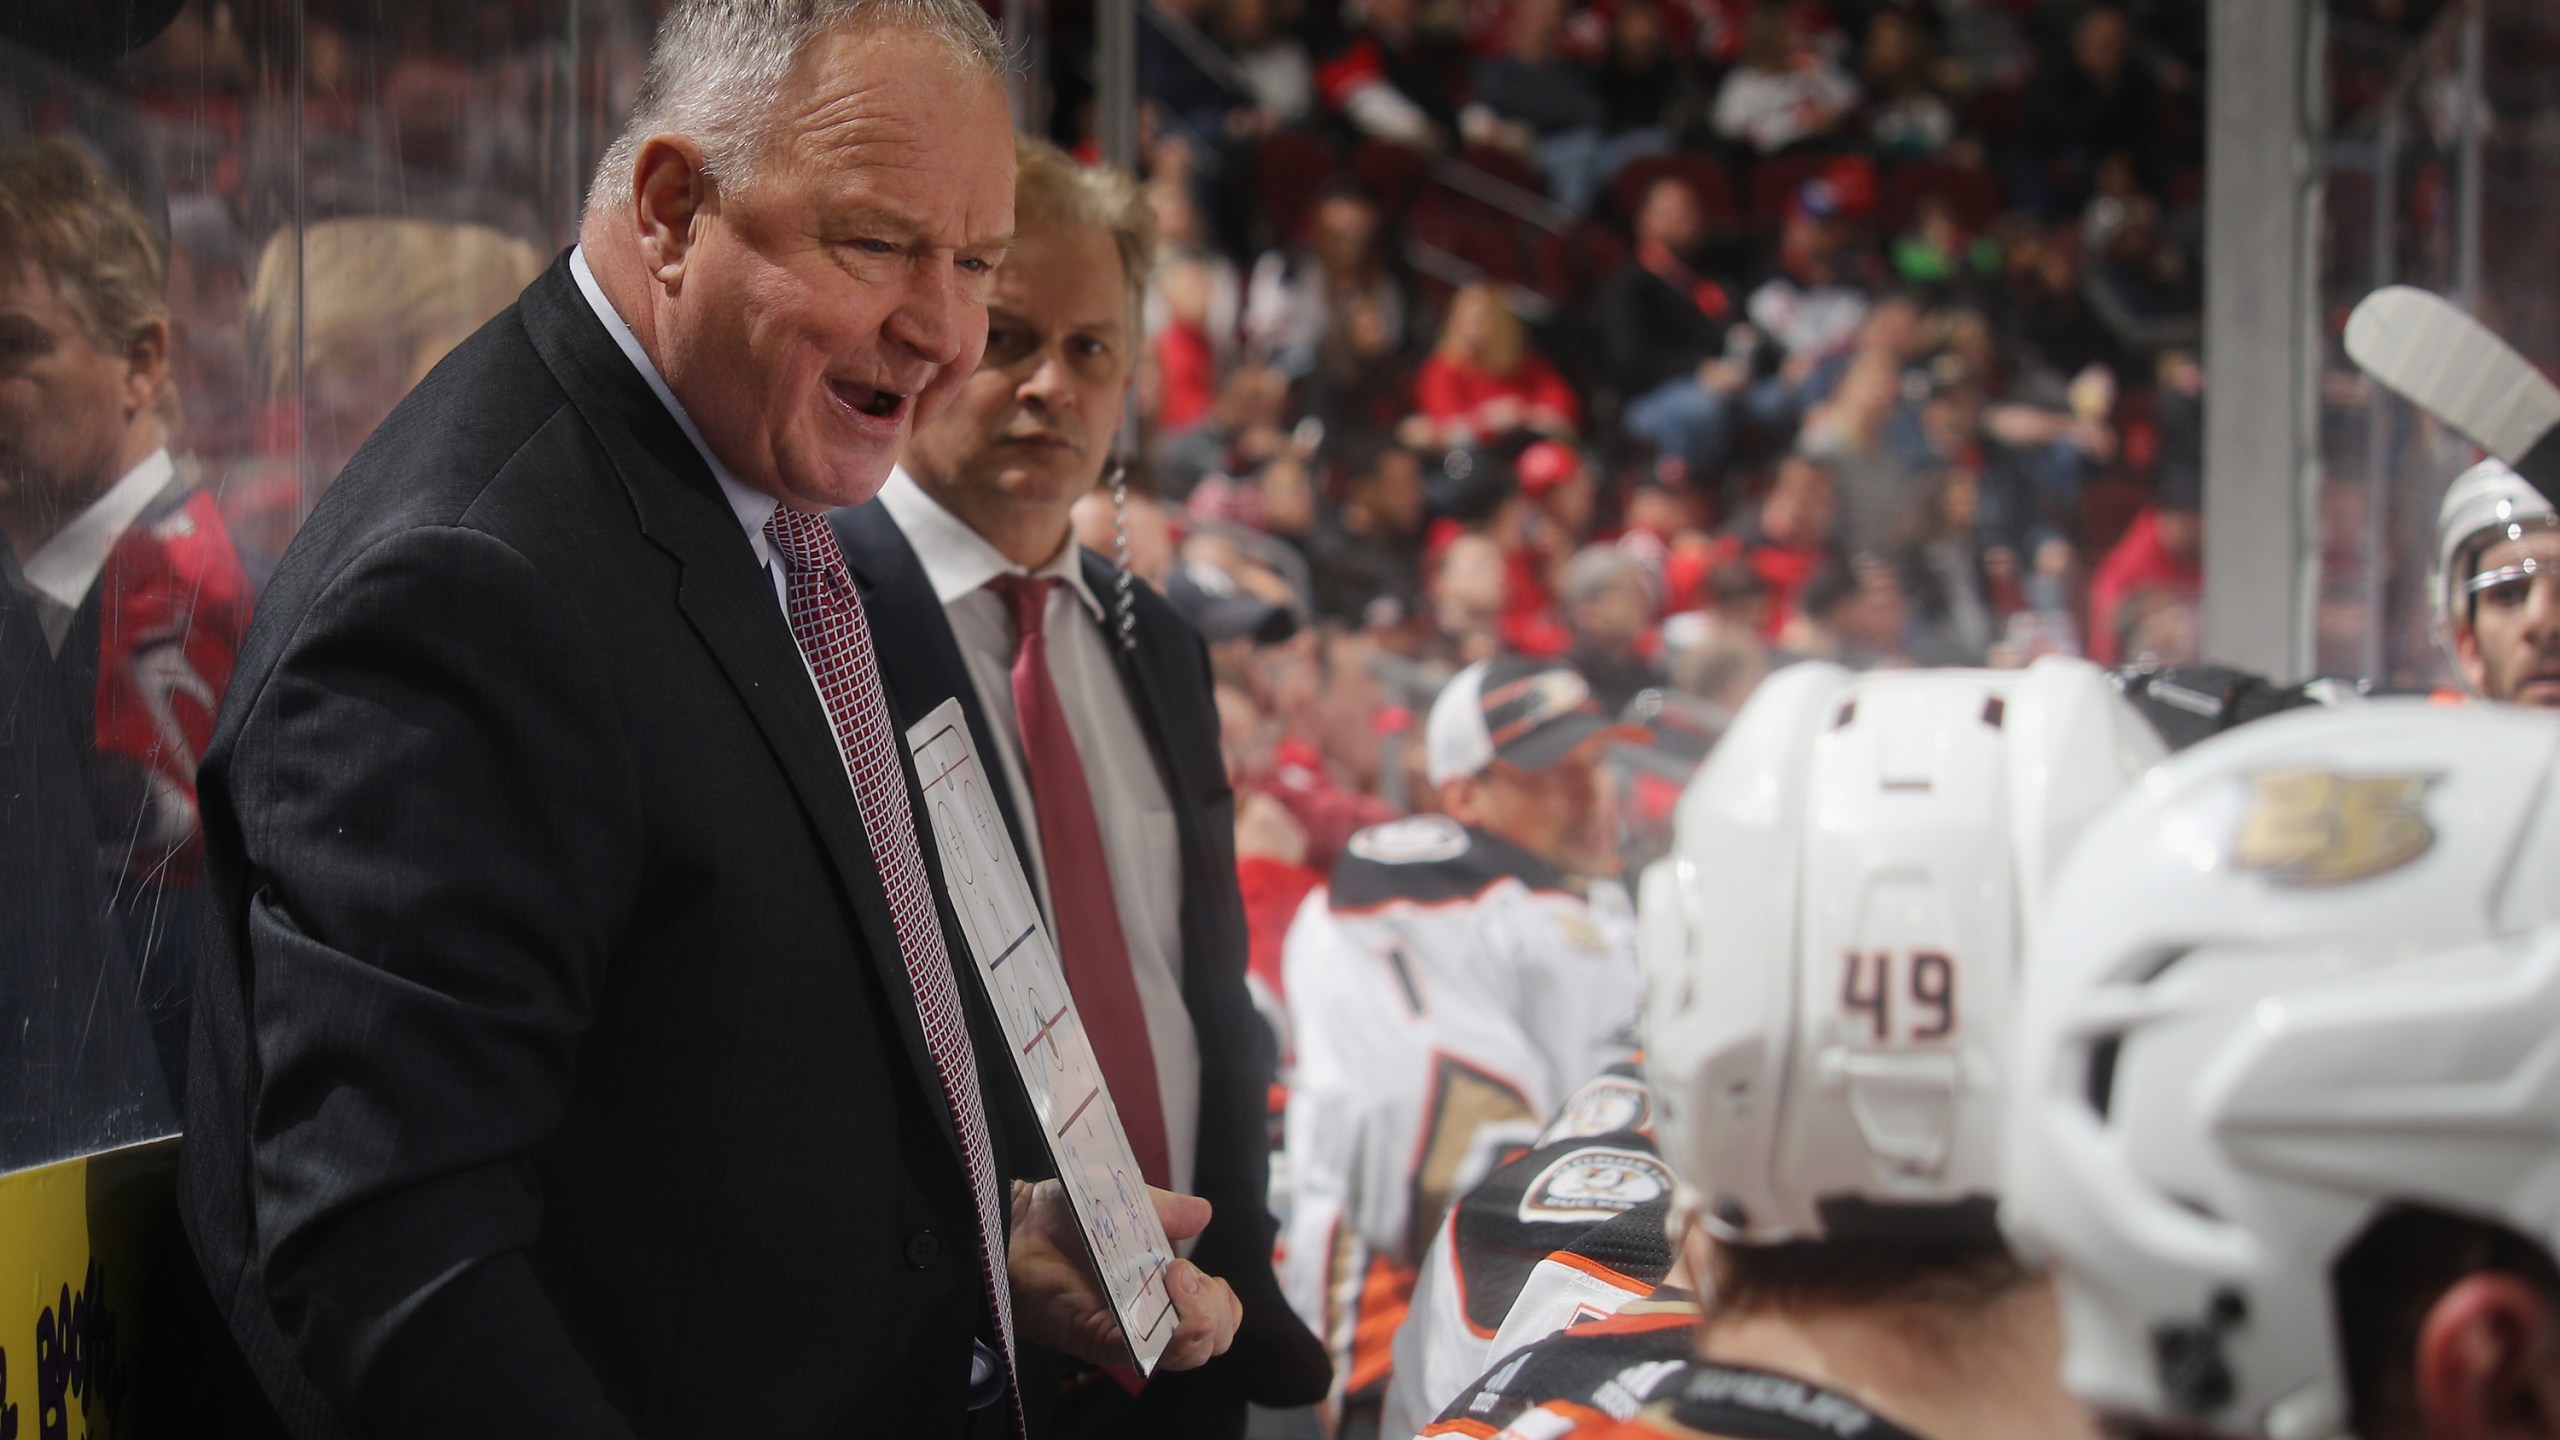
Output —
(1019, 971)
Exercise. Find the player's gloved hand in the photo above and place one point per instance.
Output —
(1058, 1302)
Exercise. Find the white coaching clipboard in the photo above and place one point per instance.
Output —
(1018, 967)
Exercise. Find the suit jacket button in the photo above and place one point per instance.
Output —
(923, 1250)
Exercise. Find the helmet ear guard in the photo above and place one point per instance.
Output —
(2309, 971)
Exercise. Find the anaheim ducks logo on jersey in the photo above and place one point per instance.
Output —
(1593, 1181)
(2321, 827)
(1616, 1099)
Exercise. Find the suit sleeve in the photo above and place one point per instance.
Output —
(441, 826)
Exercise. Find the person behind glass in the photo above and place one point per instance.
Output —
(1458, 976)
(137, 587)
(1115, 791)
(2496, 585)
(590, 1058)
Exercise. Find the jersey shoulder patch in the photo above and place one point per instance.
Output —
(1428, 860)
(1414, 840)
(1614, 1100)
(1594, 1182)
(1556, 1199)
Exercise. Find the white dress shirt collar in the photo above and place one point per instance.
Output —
(64, 567)
(753, 507)
(958, 560)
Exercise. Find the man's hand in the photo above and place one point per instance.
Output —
(1059, 1302)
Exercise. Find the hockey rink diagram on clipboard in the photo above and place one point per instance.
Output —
(1018, 967)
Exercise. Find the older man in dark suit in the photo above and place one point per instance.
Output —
(1092, 697)
(590, 1059)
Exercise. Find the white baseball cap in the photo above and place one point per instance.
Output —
(1525, 712)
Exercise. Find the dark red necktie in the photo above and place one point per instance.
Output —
(1091, 944)
(827, 621)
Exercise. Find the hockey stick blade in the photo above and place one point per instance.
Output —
(2428, 351)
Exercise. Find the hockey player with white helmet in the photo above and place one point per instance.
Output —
(2497, 585)
(2287, 1109)
(1829, 957)
(1448, 988)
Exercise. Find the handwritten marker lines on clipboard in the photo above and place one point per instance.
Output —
(1018, 972)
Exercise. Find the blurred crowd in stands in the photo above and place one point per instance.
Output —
(1679, 338)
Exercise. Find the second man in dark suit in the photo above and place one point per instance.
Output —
(1106, 734)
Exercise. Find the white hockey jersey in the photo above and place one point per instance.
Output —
(1447, 991)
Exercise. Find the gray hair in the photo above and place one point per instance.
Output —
(1595, 568)
(718, 67)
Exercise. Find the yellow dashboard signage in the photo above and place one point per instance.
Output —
(76, 1242)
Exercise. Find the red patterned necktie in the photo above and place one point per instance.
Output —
(1091, 944)
(826, 618)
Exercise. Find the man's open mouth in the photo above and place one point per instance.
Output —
(870, 400)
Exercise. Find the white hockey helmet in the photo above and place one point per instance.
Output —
(2276, 991)
(2485, 503)
(1831, 947)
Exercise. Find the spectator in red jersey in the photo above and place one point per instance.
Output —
(1186, 357)
(2161, 554)
(1483, 381)
(1787, 536)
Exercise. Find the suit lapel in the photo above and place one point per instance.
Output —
(730, 603)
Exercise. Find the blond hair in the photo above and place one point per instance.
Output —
(1050, 189)
(60, 214)
(408, 289)
(1506, 343)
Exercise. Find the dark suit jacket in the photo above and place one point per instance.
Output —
(559, 1075)
(1275, 1361)
(79, 1074)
